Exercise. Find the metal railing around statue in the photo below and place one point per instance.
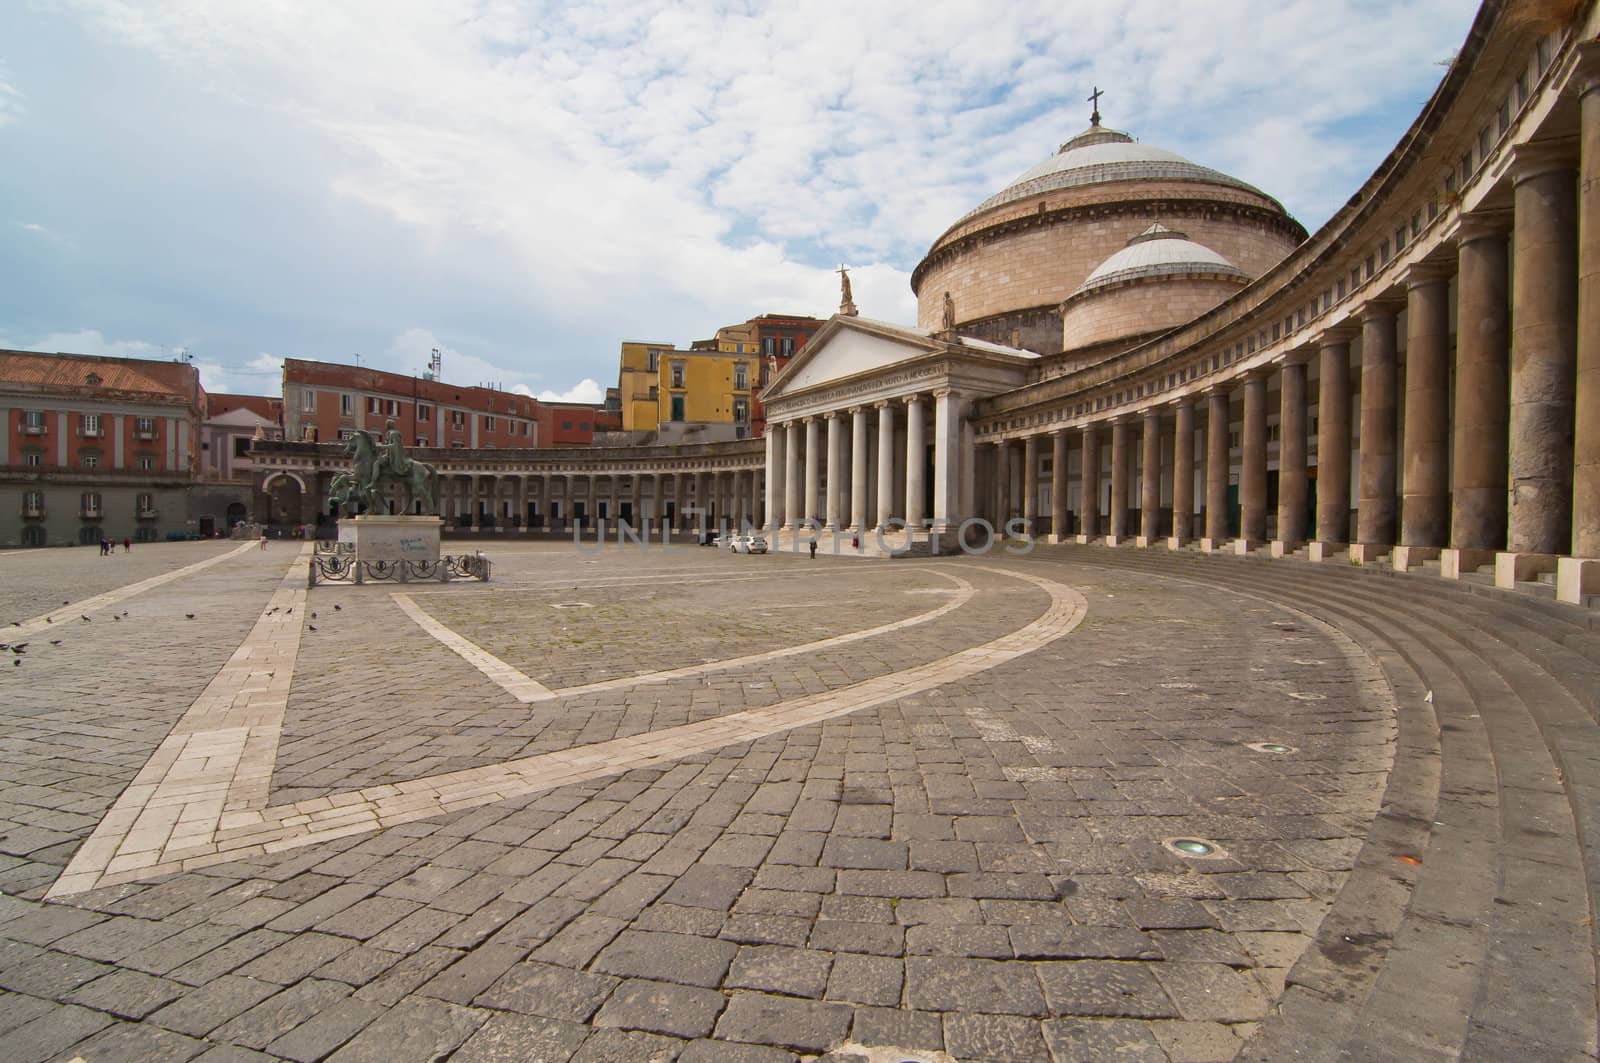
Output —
(339, 565)
(377, 548)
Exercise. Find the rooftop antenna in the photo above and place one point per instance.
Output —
(358, 359)
(436, 363)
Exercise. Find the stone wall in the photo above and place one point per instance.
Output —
(1140, 307)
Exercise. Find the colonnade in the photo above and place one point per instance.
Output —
(873, 466)
(1479, 448)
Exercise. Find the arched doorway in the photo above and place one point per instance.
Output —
(33, 535)
(284, 495)
(236, 514)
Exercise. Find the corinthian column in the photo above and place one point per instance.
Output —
(1121, 451)
(1030, 483)
(916, 463)
(1089, 484)
(1058, 485)
(835, 469)
(1150, 483)
(1253, 467)
(792, 514)
(885, 464)
(858, 469)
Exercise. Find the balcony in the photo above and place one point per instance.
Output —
(144, 433)
(90, 513)
(32, 512)
(33, 429)
(148, 513)
(91, 433)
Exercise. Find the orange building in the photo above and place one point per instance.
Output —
(326, 401)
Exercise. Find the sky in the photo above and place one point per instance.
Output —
(525, 184)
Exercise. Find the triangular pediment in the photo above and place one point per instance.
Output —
(849, 347)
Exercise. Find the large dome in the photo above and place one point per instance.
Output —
(1099, 154)
(1010, 263)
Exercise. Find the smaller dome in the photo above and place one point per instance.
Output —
(1159, 251)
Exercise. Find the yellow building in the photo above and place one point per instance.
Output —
(708, 388)
(638, 380)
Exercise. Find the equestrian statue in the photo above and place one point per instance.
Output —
(374, 465)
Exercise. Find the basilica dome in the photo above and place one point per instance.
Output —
(1013, 261)
(1159, 280)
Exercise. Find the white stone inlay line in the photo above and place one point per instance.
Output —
(514, 682)
(117, 594)
(217, 761)
(186, 834)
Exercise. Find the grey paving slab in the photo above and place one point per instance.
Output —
(974, 864)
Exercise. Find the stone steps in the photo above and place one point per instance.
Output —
(1481, 951)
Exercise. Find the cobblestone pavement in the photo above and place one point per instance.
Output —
(948, 836)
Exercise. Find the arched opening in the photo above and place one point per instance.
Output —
(33, 535)
(283, 501)
(236, 514)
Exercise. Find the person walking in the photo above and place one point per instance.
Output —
(127, 545)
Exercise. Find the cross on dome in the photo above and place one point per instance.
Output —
(1094, 98)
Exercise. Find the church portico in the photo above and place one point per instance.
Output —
(918, 451)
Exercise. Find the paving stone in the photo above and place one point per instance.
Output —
(708, 887)
(472, 973)
(866, 979)
(935, 983)
(897, 1027)
(1196, 1042)
(627, 1046)
(228, 957)
(52, 975)
(667, 957)
(661, 1007)
(766, 929)
(554, 992)
(211, 1005)
(1109, 988)
(865, 853)
(412, 1029)
(296, 958)
(1117, 1039)
(407, 975)
(1211, 992)
(232, 1054)
(510, 1038)
(840, 936)
(727, 1052)
(806, 1026)
(366, 918)
(1038, 942)
(16, 1009)
(128, 1042)
(995, 1037)
(319, 1036)
(127, 994)
(51, 1033)
(774, 969)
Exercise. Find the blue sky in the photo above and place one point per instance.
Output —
(527, 184)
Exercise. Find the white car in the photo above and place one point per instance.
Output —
(750, 544)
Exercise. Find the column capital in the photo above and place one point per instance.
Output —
(1377, 309)
(1539, 157)
(1480, 225)
(884, 404)
(1152, 413)
(857, 408)
(1336, 337)
(1425, 273)
(1586, 69)
(909, 399)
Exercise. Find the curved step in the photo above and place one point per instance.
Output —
(1488, 948)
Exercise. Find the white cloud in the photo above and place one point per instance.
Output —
(677, 165)
(11, 105)
(93, 341)
(33, 227)
(585, 390)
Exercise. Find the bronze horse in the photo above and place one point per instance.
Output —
(359, 487)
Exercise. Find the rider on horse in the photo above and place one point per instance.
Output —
(392, 457)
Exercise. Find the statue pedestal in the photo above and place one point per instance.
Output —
(386, 538)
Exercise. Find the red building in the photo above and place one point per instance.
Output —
(778, 337)
(331, 401)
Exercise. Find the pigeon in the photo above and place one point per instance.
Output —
(16, 623)
(114, 616)
(124, 612)
(289, 610)
(313, 627)
(313, 614)
(17, 662)
(55, 642)
(5, 645)
(84, 618)
(337, 607)
(21, 647)
(274, 609)
(63, 601)
(189, 615)
(49, 620)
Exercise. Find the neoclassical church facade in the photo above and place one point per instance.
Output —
(1125, 346)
